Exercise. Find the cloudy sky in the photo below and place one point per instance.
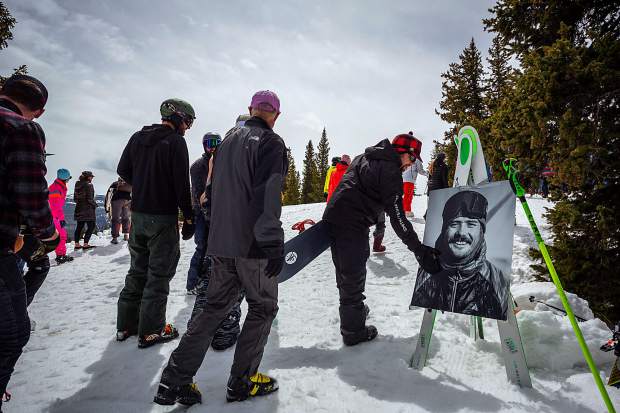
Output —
(365, 70)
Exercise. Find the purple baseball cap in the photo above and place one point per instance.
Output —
(265, 100)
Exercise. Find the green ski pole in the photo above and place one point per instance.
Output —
(513, 176)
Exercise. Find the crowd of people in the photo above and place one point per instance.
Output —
(239, 251)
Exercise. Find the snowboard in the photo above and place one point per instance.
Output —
(303, 249)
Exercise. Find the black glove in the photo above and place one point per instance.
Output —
(428, 258)
(188, 229)
(274, 266)
(63, 223)
(325, 195)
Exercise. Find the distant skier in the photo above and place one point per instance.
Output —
(155, 163)
(119, 203)
(438, 173)
(372, 184)
(330, 170)
(247, 247)
(57, 197)
(336, 176)
(85, 209)
(23, 202)
(410, 175)
(199, 171)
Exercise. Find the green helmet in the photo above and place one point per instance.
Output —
(170, 107)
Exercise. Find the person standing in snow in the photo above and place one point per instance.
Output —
(247, 249)
(57, 197)
(337, 174)
(373, 183)
(120, 208)
(199, 173)
(23, 202)
(85, 207)
(155, 163)
(409, 177)
(438, 173)
(330, 170)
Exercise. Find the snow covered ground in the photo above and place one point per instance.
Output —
(73, 364)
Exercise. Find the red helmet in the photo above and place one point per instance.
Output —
(407, 143)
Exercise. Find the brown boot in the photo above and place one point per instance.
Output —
(377, 247)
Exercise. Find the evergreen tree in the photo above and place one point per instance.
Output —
(291, 194)
(7, 22)
(322, 157)
(462, 101)
(311, 189)
(498, 85)
(563, 112)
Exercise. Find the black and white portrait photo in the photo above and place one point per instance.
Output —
(473, 228)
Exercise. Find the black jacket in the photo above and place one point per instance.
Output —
(198, 172)
(438, 178)
(482, 292)
(84, 197)
(155, 163)
(121, 191)
(245, 195)
(373, 183)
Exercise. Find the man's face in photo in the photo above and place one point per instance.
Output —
(463, 235)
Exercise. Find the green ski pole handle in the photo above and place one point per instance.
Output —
(512, 173)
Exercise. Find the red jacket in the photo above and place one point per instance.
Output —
(335, 178)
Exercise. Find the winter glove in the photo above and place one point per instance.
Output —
(274, 266)
(428, 258)
(188, 229)
(325, 195)
(63, 223)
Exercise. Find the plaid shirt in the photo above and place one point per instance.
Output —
(23, 189)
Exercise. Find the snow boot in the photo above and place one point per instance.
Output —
(168, 333)
(77, 246)
(63, 258)
(125, 237)
(185, 394)
(377, 246)
(87, 246)
(123, 335)
(367, 334)
(240, 389)
(114, 240)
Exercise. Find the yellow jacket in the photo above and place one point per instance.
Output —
(329, 174)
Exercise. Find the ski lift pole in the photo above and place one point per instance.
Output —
(512, 173)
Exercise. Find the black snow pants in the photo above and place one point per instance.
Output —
(154, 250)
(350, 251)
(14, 321)
(228, 277)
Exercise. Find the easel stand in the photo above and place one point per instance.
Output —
(471, 170)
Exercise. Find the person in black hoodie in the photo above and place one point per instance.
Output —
(155, 163)
(373, 183)
(199, 172)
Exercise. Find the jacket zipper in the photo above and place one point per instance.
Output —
(456, 282)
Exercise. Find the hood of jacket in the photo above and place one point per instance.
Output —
(153, 134)
(382, 151)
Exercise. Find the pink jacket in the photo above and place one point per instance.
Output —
(58, 193)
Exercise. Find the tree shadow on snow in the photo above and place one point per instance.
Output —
(125, 378)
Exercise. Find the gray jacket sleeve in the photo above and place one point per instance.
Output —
(266, 198)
